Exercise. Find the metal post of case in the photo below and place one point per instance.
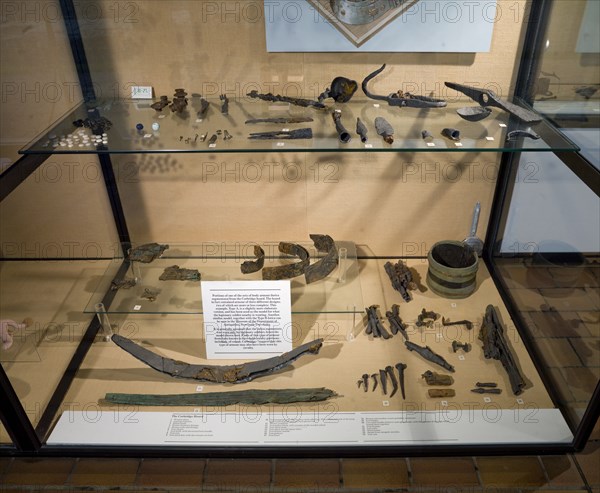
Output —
(104, 321)
(14, 418)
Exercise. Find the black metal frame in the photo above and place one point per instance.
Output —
(27, 439)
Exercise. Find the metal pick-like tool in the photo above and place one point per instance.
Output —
(472, 240)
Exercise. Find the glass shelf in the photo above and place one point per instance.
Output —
(183, 134)
(219, 262)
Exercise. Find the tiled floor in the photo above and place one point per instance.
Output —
(569, 473)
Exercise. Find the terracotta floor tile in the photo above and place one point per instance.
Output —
(558, 352)
(49, 472)
(171, 472)
(571, 299)
(589, 461)
(591, 320)
(510, 471)
(237, 473)
(528, 299)
(588, 350)
(314, 474)
(374, 473)
(4, 462)
(447, 472)
(105, 472)
(582, 381)
(562, 471)
(559, 324)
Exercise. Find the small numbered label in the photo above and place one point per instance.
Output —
(491, 139)
(461, 357)
(430, 144)
(386, 403)
(445, 403)
(376, 105)
(487, 400)
(137, 308)
(200, 388)
(453, 305)
(212, 146)
(280, 144)
(458, 144)
(502, 125)
(368, 146)
(520, 401)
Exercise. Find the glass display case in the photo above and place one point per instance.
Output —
(445, 294)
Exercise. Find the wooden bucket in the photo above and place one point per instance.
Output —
(452, 269)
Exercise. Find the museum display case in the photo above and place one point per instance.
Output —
(211, 247)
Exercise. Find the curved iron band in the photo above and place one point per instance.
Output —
(451, 285)
(251, 266)
(411, 100)
(485, 98)
(291, 270)
(325, 266)
(217, 374)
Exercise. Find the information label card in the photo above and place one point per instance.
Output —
(247, 319)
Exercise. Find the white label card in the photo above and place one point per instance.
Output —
(247, 319)
(141, 92)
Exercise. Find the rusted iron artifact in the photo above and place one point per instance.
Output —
(529, 133)
(395, 321)
(474, 113)
(162, 104)
(390, 371)
(432, 378)
(375, 324)
(98, 126)
(224, 104)
(467, 323)
(301, 133)
(364, 381)
(280, 121)
(374, 377)
(343, 134)
(341, 90)
(466, 347)
(176, 273)
(485, 97)
(495, 346)
(437, 393)
(402, 279)
(427, 353)
(204, 105)
(218, 374)
(401, 367)
(490, 385)
(150, 294)
(451, 133)
(180, 101)
(384, 129)
(426, 318)
(218, 399)
(326, 265)
(251, 266)
(383, 378)
(401, 99)
(125, 283)
(275, 98)
(291, 270)
(361, 130)
(147, 253)
(480, 390)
